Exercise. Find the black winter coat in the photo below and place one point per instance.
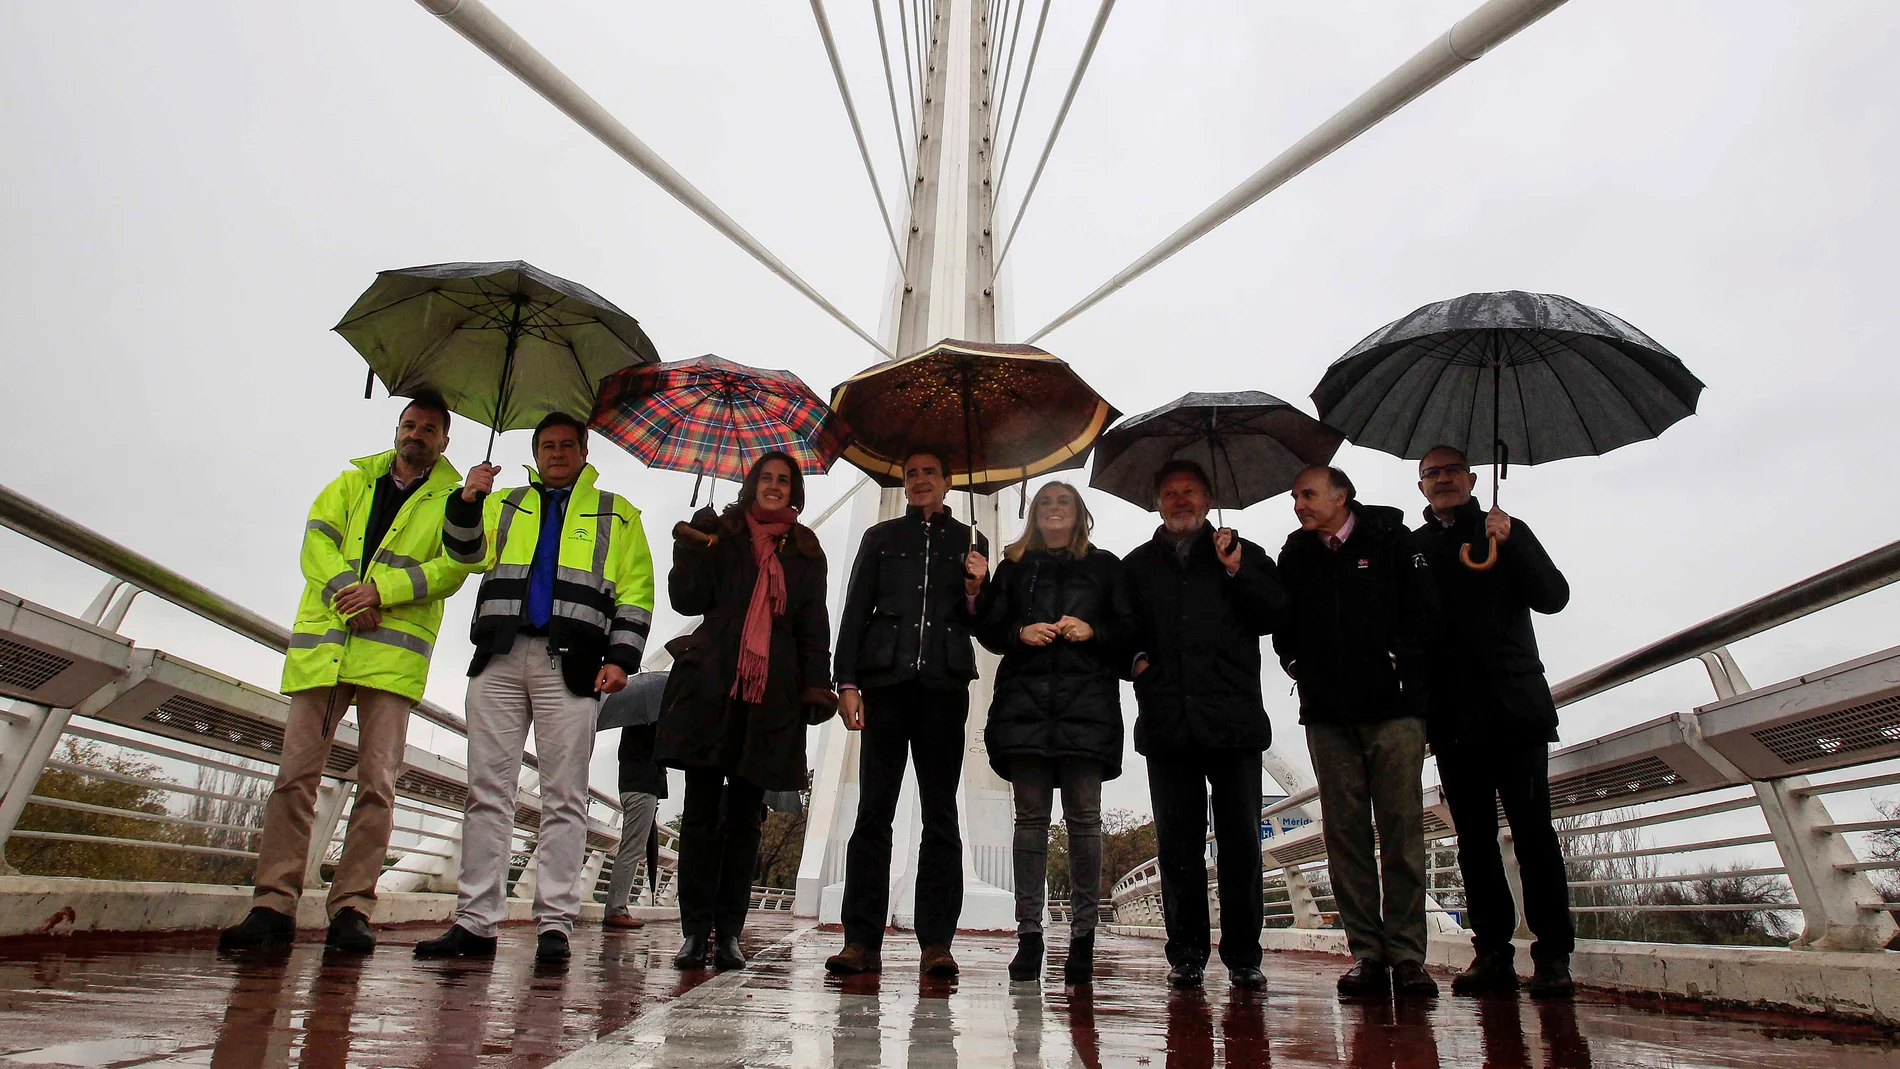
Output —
(904, 612)
(1200, 630)
(638, 772)
(1354, 638)
(1063, 699)
(1488, 679)
(701, 724)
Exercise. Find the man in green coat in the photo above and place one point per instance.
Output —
(375, 577)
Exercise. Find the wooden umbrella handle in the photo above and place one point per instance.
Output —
(1490, 561)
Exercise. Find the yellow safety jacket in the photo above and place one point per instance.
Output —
(410, 572)
(603, 577)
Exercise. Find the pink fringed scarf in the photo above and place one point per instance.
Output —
(768, 526)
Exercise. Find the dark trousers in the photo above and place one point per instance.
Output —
(1180, 783)
(1033, 784)
(1477, 778)
(719, 849)
(1369, 774)
(907, 721)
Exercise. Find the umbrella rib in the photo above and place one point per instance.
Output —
(1617, 386)
(1418, 416)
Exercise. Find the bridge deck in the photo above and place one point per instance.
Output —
(173, 1002)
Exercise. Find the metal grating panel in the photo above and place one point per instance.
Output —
(526, 817)
(418, 784)
(1630, 778)
(28, 668)
(1435, 826)
(342, 758)
(1857, 727)
(182, 712)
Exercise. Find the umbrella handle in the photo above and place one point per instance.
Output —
(1489, 562)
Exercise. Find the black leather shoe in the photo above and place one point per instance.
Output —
(1027, 964)
(1490, 971)
(263, 926)
(1186, 974)
(1365, 978)
(457, 942)
(1552, 977)
(550, 948)
(726, 953)
(1080, 968)
(1247, 977)
(349, 932)
(694, 953)
(1410, 980)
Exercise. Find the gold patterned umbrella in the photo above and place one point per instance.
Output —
(998, 414)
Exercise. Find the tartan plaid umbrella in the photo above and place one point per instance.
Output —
(998, 413)
(714, 417)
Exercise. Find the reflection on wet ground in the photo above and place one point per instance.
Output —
(121, 1002)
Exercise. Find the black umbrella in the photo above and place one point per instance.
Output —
(1506, 378)
(1253, 445)
(505, 343)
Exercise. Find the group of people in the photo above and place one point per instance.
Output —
(1394, 640)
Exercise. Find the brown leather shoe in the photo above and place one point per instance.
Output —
(625, 922)
(854, 959)
(938, 962)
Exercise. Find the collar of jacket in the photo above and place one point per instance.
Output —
(916, 512)
(1368, 520)
(1464, 513)
(583, 481)
(1202, 539)
(441, 477)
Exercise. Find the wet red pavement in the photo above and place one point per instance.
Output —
(128, 1001)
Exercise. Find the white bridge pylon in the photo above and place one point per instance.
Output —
(949, 295)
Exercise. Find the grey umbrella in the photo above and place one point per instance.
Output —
(505, 343)
(635, 704)
(1506, 378)
(1251, 444)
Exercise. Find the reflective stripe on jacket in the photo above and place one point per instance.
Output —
(409, 570)
(603, 577)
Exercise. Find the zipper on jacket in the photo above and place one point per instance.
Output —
(923, 616)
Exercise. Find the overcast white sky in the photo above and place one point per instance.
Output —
(192, 194)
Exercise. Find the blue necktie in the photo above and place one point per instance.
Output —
(547, 552)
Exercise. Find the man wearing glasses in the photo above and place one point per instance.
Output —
(1492, 720)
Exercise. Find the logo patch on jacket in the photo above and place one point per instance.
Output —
(1364, 563)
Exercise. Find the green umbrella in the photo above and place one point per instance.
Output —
(504, 343)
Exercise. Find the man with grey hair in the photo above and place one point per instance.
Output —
(1492, 723)
(1354, 642)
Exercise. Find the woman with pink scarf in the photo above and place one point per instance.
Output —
(744, 687)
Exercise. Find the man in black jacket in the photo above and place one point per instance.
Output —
(1354, 642)
(1492, 721)
(904, 666)
(1195, 602)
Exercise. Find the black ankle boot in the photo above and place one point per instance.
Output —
(1080, 968)
(695, 953)
(1027, 964)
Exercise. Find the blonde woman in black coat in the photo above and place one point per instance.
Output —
(1056, 720)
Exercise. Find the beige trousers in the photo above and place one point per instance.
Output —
(382, 724)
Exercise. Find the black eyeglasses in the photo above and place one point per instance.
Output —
(1444, 469)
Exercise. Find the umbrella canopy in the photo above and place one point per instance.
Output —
(635, 704)
(715, 417)
(998, 413)
(1508, 378)
(505, 343)
(1251, 444)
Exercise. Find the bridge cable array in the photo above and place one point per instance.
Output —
(483, 28)
(1009, 68)
(1022, 94)
(857, 131)
(1062, 114)
(890, 88)
(1468, 39)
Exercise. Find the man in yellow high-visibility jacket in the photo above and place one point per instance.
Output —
(561, 618)
(375, 575)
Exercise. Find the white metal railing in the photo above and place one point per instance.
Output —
(1754, 821)
(76, 681)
